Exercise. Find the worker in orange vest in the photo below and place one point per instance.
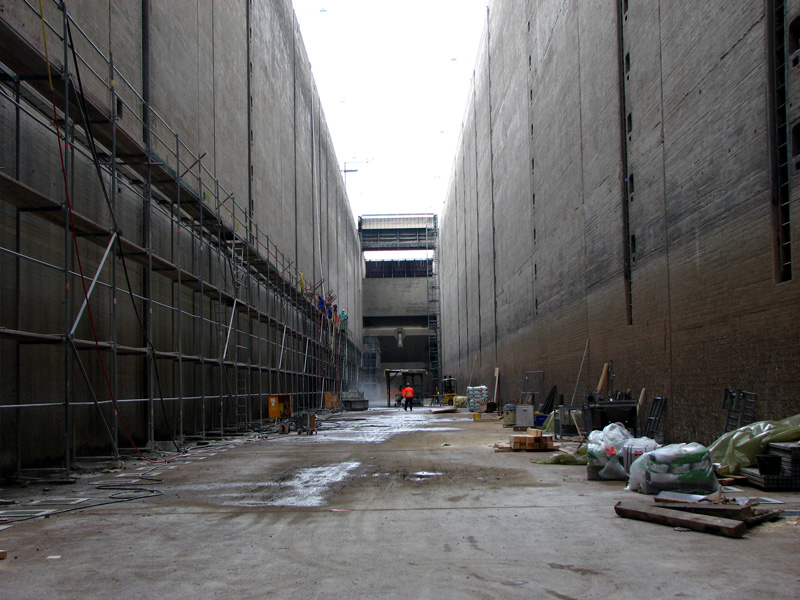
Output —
(408, 396)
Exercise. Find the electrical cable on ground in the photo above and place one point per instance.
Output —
(138, 492)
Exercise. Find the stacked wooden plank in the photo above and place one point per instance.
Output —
(788, 478)
(533, 441)
(790, 457)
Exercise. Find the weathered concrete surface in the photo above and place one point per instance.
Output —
(380, 504)
(395, 297)
(533, 240)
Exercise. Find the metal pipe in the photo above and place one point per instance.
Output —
(114, 323)
(580, 370)
(147, 293)
(176, 259)
(94, 281)
(67, 254)
(146, 75)
(94, 398)
(283, 342)
(230, 326)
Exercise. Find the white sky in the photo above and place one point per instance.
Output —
(394, 79)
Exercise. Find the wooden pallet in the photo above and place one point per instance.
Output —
(771, 482)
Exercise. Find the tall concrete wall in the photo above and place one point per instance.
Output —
(396, 297)
(534, 240)
(232, 82)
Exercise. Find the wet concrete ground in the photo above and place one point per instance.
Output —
(382, 504)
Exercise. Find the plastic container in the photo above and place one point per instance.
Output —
(633, 449)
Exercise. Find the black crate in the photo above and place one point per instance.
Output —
(771, 482)
(790, 455)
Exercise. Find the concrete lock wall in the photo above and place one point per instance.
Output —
(235, 85)
(545, 247)
(396, 297)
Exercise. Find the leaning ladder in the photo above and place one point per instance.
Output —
(740, 406)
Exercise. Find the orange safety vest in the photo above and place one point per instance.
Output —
(407, 392)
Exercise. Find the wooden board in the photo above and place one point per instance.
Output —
(726, 511)
(676, 518)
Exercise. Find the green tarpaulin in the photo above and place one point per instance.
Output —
(739, 448)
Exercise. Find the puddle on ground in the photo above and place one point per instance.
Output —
(307, 487)
(212, 487)
(423, 475)
(375, 428)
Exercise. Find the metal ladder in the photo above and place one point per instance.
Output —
(242, 394)
(740, 406)
(651, 425)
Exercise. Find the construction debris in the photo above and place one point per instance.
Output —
(565, 457)
(676, 467)
(778, 470)
(605, 450)
(675, 518)
(730, 520)
(737, 449)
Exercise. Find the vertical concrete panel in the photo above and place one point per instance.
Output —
(174, 67)
(94, 19)
(646, 351)
(307, 119)
(718, 209)
(448, 284)
(556, 172)
(464, 276)
(273, 49)
(229, 96)
(472, 243)
(485, 210)
(601, 173)
(513, 227)
(205, 121)
(126, 46)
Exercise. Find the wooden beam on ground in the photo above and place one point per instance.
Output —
(676, 518)
(726, 511)
(770, 515)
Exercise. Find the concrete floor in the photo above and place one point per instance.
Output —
(382, 504)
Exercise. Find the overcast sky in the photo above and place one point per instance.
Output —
(394, 79)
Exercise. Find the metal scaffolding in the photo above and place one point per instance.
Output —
(434, 308)
(198, 317)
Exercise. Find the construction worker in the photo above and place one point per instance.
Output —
(408, 397)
